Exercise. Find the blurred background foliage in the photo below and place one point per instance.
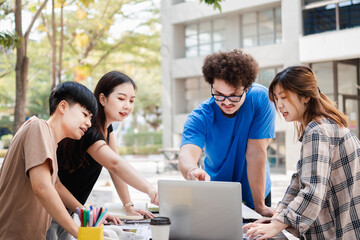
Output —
(91, 38)
(81, 40)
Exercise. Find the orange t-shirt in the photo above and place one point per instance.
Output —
(22, 216)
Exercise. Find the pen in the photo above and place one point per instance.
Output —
(99, 213)
(81, 217)
(94, 215)
(84, 223)
(88, 217)
(77, 211)
(102, 216)
(91, 218)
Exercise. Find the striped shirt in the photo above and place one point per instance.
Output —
(323, 198)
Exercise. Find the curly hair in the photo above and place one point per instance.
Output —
(234, 67)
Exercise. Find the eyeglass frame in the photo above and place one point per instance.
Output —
(227, 97)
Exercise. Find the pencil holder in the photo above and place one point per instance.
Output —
(91, 233)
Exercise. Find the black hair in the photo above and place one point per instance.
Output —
(73, 151)
(106, 86)
(72, 93)
(234, 67)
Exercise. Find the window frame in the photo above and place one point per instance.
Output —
(320, 4)
(212, 41)
(274, 33)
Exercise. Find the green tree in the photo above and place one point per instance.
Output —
(86, 34)
(8, 39)
(215, 3)
(39, 79)
(22, 62)
(142, 63)
(80, 51)
(90, 52)
(148, 98)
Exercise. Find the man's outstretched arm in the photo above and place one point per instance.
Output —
(188, 158)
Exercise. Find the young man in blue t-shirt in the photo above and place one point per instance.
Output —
(234, 127)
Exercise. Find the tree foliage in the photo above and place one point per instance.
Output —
(6, 7)
(90, 49)
(80, 34)
(8, 39)
(215, 3)
(88, 35)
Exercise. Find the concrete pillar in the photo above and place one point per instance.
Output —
(167, 56)
(291, 14)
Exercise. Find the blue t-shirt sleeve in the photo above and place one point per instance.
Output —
(194, 130)
(263, 125)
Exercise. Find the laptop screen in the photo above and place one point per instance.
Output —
(202, 210)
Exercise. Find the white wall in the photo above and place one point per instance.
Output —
(192, 11)
(328, 46)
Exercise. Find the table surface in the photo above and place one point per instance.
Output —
(145, 231)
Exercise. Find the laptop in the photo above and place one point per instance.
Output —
(202, 210)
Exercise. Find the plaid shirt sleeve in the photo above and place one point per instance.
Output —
(290, 194)
(313, 173)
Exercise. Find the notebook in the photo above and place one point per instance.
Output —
(202, 210)
(117, 210)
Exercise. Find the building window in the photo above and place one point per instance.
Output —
(261, 28)
(196, 91)
(276, 151)
(204, 38)
(325, 76)
(339, 80)
(266, 75)
(322, 16)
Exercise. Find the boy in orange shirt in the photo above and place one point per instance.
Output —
(28, 175)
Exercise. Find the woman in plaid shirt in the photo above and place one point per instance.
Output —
(323, 198)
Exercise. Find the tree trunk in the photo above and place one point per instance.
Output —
(21, 69)
(53, 46)
(22, 64)
(61, 42)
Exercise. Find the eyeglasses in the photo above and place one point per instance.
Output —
(221, 98)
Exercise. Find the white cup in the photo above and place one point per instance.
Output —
(160, 228)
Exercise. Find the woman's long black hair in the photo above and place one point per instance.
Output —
(74, 151)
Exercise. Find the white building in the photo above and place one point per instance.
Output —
(322, 34)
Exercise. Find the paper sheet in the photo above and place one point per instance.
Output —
(248, 213)
(141, 229)
(117, 209)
